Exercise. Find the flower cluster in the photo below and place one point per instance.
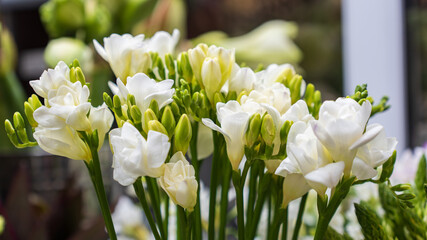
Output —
(272, 136)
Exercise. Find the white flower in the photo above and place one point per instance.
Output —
(241, 79)
(340, 129)
(128, 55)
(54, 136)
(163, 43)
(101, 119)
(407, 164)
(51, 80)
(234, 122)
(297, 112)
(273, 73)
(145, 89)
(126, 215)
(308, 164)
(133, 156)
(373, 154)
(179, 182)
(204, 142)
(211, 66)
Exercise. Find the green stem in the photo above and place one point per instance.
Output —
(196, 164)
(140, 193)
(102, 196)
(213, 184)
(299, 218)
(252, 192)
(166, 218)
(153, 191)
(262, 195)
(181, 223)
(239, 204)
(279, 215)
(224, 199)
(285, 225)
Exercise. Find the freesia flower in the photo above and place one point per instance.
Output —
(128, 55)
(179, 182)
(126, 215)
(134, 156)
(373, 154)
(145, 89)
(241, 79)
(54, 136)
(234, 122)
(407, 164)
(308, 165)
(273, 73)
(340, 129)
(211, 66)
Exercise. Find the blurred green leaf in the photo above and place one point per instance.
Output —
(369, 221)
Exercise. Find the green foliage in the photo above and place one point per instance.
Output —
(369, 221)
(421, 179)
(331, 234)
(361, 94)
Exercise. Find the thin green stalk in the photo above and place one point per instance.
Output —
(196, 164)
(285, 225)
(140, 193)
(166, 218)
(181, 223)
(213, 184)
(279, 215)
(224, 199)
(252, 192)
(153, 191)
(239, 204)
(299, 218)
(269, 215)
(102, 197)
(262, 195)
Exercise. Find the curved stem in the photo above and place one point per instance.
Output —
(140, 193)
(224, 199)
(102, 196)
(153, 191)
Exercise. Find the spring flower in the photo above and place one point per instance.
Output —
(179, 182)
(145, 89)
(241, 79)
(273, 73)
(127, 216)
(341, 126)
(211, 66)
(54, 136)
(234, 122)
(134, 156)
(308, 165)
(373, 154)
(128, 55)
(407, 164)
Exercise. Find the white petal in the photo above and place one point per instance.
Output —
(325, 177)
(367, 136)
(294, 186)
(158, 148)
(362, 170)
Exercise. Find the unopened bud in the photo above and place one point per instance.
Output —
(284, 130)
(155, 125)
(183, 134)
(254, 129)
(148, 116)
(117, 106)
(18, 121)
(136, 114)
(107, 100)
(168, 121)
(8, 127)
(29, 113)
(131, 100)
(80, 76)
(218, 97)
(154, 106)
(34, 101)
(267, 129)
(95, 139)
(401, 187)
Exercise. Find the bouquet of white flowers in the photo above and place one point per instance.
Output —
(272, 138)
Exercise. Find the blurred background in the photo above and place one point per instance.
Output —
(333, 44)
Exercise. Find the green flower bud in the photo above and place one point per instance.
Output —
(34, 101)
(241, 94)
(76, 63)
(73, 75)
(175, 109)
(107, 100)
(401, 187)
(170, 64)
(131, 100)
(148, 116)
(8, 127)
(155, 125)
(184, 67)
(80, 76)
(117, 106)
(218, 97)
(136, 114)
(232, 96)
(406, 196)
(95, 139)
(154, 106)
(186, 99)
(309, 94)
(295, 88)
(29, 113)
(18, 121)
(160, 68)
(168, 121)
(284, 130)
(254, 129)
(267, 129)
(183, 134)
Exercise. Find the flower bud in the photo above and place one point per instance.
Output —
(18, 121)
(154, 106)
(168, 121)
(218, 97)
(211, 76)
(117, 106)
(107, 100)
(401, 187)
(29, 113)
(254, 129)
(148, 116)
(80, 76)
(170, 65)
(183, 134)
(175, 109)
(267, 129)
(136, 114)
(284, 130)
(34, 101)
(131, 100)
(154, 125)
(184, 67)
(8, 127)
